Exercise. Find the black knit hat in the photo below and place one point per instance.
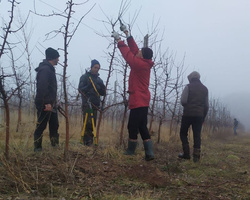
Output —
(51, 54)
(94, 62)
(147, 53)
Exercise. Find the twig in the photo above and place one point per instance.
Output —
(73, 166)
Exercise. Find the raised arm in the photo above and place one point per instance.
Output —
(132, 45)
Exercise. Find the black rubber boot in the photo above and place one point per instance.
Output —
(54, 141)
(88, 139)
(148, 147)
(131, 148)
(196, 155)
(186, 153)
(38, 144)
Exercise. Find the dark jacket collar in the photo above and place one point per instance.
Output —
(44, 64)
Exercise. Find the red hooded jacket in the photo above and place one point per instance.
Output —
(139, 78)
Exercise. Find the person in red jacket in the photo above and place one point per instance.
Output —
(140, 62)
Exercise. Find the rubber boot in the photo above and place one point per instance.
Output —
(54, 141)
(37, 143)
(88, 139)
(131, 148)
(196, 155)
(148, 147)
(186, 152)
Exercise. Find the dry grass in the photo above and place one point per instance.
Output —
(103, 172)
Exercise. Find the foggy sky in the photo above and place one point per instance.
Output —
(213, 35)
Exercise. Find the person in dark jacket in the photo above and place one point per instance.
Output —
(91, 87)
(194, 100)
(140, 62)
(45, 100)
(236, 123)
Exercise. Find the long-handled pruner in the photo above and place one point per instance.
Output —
(85, 122)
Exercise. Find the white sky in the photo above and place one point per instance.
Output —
(213, 35)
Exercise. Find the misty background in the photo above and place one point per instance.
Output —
(213, 36)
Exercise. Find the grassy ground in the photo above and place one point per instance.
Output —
(103, 172)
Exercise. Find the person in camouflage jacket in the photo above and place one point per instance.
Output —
(91, 87)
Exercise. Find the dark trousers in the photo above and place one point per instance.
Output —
(88, 135)
(196, 123)
(44, 117)
(235, 130)
(137, 123)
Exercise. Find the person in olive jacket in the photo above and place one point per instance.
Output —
(91, 87)
(45, 100)
(194, 100)
(140, 62)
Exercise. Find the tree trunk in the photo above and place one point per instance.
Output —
(7, 118)
(7, 131)
(159, 131)
(123, 124)
(98, 126)
(19, 117)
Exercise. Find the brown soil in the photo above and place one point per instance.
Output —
(105, 173)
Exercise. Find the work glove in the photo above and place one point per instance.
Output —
(116, 35)
(123, 28)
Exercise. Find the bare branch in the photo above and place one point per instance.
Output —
(8, 28)
(79, 22)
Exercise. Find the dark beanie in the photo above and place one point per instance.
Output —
(51, 54)
(147, 53)
(94, 62)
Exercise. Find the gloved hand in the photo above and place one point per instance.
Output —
(116, 35)
(123, 28)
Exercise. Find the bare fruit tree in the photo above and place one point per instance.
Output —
(19, 80)
(154, 97)
(28, 51)
(125, 102)
(166, 68)
(176, 86)
(4, 49)
(218, 118)
(112, 60)
(67, 30)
